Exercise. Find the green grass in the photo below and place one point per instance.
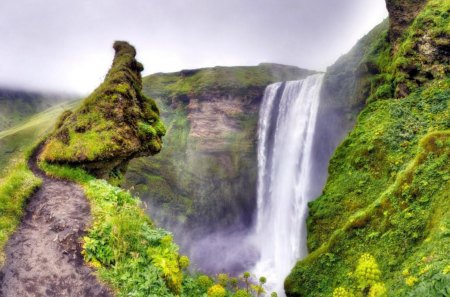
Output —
(130, 253)
(15, 140)
(16, 185)
(17, 182)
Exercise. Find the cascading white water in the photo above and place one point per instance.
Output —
(286, 131)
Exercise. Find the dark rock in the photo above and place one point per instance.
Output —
(401, 15)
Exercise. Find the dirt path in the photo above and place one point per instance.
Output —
(43, 256)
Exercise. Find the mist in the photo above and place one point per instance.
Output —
(66, 45)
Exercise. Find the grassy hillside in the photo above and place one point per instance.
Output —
(16, 105)
(381, 226)
(234, 80)
(21, 137)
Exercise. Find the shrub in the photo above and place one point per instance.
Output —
(377, 290)
(342, 292)
(242, 293)
(184, 262)
(223, 279)
(367, 271)
(217, 291)
(204, 281)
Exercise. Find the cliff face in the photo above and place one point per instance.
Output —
(206, 175)
(380, 227)
(401, 15)
(346, 86)
(421, 53)
(113, 125)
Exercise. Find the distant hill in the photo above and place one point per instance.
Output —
(16, 105)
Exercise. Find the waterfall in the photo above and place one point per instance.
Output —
(285, 138)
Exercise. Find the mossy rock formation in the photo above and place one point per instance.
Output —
(115, 124)
(401, 14)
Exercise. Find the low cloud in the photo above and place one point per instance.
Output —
(66, 45)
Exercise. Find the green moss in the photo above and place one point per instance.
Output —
(146, 130)
(122, 88)
(420, 56)
(115, 122)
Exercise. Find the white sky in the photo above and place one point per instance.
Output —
(65, 45)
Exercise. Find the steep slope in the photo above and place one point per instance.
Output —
(206, 175)
(381, 225)
(346, 86)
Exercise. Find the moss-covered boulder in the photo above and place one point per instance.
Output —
(113, 125)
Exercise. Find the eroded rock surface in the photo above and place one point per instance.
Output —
(401, 14)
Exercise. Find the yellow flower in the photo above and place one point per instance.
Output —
(410, 281)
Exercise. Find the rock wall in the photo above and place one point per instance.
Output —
(401, 15)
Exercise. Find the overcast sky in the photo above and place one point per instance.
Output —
(65, 45)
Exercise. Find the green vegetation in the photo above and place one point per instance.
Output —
(16, 185)
(17, 182)
(130, 253)
(387, 194)
(17, 139)
(367, 276)
(17, 106)
(234, 81)
(388, 185)
(419, 58)
(114, 124)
